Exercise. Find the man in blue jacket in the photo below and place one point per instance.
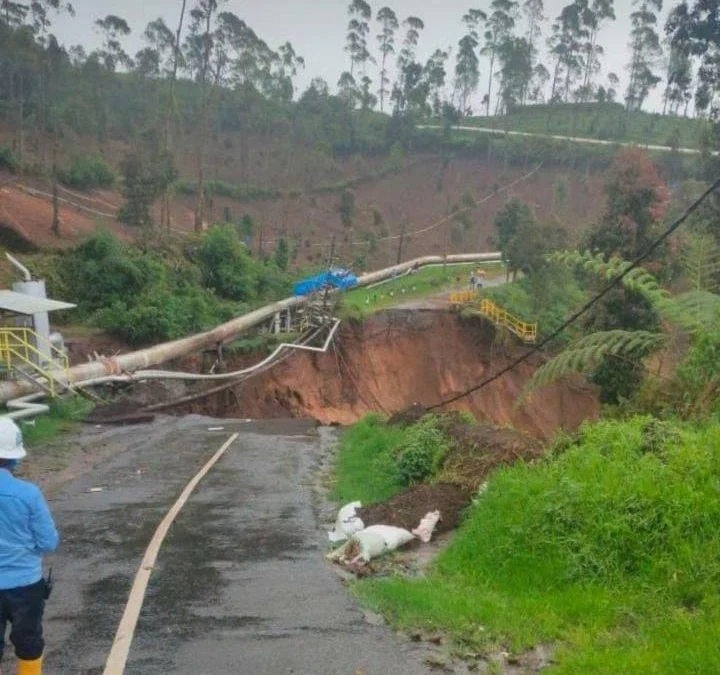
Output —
(27, 531)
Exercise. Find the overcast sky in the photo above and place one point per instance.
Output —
(317, 28)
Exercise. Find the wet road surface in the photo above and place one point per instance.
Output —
(241, 585)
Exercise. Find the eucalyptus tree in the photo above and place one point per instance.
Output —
(409, 71)
(515, 71)
(360, 14)
(389, 25)
(693, 32)
(467, 63)
(646, 51)
(205, 60)
(534, 11)
(566, 49)
(499, 27)
(594, 15)
(435, 77)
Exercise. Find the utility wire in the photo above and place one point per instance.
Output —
(636, 263)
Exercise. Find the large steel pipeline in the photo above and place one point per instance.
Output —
(169, 351)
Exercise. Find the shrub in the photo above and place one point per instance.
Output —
(226, 265)
(422, 452)
(88, 171)
(8, 160)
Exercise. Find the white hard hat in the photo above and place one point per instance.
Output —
(11, 440)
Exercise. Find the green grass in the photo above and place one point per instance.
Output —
(426, 281)
(63, 416)
(365, 466)
(610, 551)
(610, 122)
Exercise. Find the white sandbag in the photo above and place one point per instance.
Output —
(372, 542)
(347, 523)
(424, 531)
(394, 537)
(362, 546)
(372, 545)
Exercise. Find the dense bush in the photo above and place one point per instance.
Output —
(228, 268)
(8, 160)
(147, 296)
(609, 547)
(87, 171)
(422, 452)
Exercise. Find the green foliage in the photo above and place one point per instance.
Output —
(346, 207)
(149, 296)
(147, 173)
(361, 302)
(700, 258)
(696, 390)
(609, 548)
(226, 265)
(422, 452)
(546, 298)
(584, 355)
(510, 219)
(102, 270)
(163, 313)
(376, 460)
(87, 172)
(365, 462)
(8, 160)
(282, 255)
(222, 189)
(246, 229)
(604, 121)
(694, 312)
(64, 414)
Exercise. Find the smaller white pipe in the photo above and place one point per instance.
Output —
(24, 407)
(177, 375)
(23, 270)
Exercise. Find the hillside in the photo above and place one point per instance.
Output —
(421, 194)
(603, 121)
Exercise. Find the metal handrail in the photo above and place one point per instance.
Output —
(18, 344)
(523, 329)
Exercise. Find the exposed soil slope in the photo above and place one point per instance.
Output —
(399, 358)
(420, 195)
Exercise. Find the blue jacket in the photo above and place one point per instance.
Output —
(27, 531)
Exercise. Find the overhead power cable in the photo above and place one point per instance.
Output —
(587, 306)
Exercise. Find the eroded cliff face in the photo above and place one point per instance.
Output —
(400, 358)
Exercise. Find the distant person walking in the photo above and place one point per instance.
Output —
(27, 532)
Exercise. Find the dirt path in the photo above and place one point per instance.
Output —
(241, 585)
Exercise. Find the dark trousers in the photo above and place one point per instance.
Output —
(23, 609)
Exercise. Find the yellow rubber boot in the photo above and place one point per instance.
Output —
(29, 667)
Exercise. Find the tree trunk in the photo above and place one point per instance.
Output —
(383, 76)
(55, 201)
(492, 65)
(200, 203)
(21, 124)
(170, 107)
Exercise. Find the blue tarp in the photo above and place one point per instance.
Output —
(341, 279)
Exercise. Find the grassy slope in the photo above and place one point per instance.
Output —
(364, 466)
(426, 281)
(609, 551)
(603, 121)
(63, 415)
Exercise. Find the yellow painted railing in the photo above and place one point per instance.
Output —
(524, 330)
(461, 297)
(23, 349)
(527, 332)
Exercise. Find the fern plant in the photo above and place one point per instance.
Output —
(693, 312)
(587, 353)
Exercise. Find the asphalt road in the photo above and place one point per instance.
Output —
(241, 585)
